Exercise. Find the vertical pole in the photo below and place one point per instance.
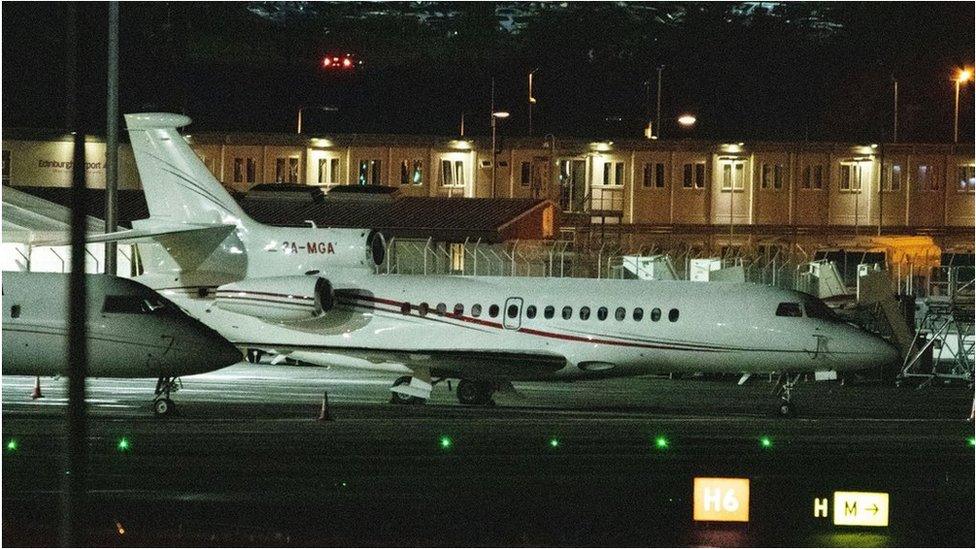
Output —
(73, 481)
(494, 155)
(657, 119)
(300, 120)
(462, 124)
(955, 124)
(112, 139)
(894, 134)
(531, 102)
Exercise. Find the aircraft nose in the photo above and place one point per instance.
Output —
(226, 354)
(880, 352)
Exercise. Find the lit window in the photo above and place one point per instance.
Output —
(417, 176)
(638, 314)
(584, 313)
(655, 314)
(673, 315)
(549, 311)
(732, 176)
(530, 311)
(567, 313)
(493, 311)
(789, 309)
(370, 172)
(891, 177)
(476, 310)
(620, 313)
(967, 179)
(601, 313)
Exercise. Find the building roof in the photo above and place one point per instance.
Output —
(440, 218)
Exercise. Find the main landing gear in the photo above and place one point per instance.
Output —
(415, 390)
(784, 388)
(475, 393)
(162, 405)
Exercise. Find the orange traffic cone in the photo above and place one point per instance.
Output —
(324, 415)
(36, 393)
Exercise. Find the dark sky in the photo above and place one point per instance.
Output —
(809, 71)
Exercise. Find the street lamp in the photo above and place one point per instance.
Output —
(687, 120)
(532, 100)
(495, 117)
(963, 75)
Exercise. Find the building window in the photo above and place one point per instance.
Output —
(649, 171)
(659, 175)
(452, 173)
(613, 174)
(891, 177)
(286, 170)
(370, 172)
(928, 179)
(778, 173)
(245, 170)
(6, 167)
(694, 176)
(526, 174)
(967, 179)
(733, 176)
(618, 173)
(807, 179)
(412, 172)
(328, 171)
(850, 177)
(765, 176)
(818, 177)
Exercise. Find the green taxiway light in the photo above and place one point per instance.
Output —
(554, 442)
(123, 445)
(661, 443)
(971, 440)
(12, 445)
(446, 443)
(766, 442)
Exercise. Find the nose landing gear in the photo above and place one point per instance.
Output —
(162, 405)
(475, 393)
(784, 388)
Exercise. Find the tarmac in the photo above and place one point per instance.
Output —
(610, 463)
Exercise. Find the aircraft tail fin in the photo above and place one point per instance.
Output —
(179, 187)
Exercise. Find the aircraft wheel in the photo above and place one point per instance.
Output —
(785, 408)
(398, 398)
(163, 407)
(474, 393)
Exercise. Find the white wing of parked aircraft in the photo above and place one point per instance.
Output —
(132, 332)
(314, 293)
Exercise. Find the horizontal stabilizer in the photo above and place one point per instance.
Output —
(144, 235)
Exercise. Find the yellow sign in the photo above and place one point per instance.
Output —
(721, 499)
(860, 508)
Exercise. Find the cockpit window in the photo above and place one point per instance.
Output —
(818, 309)
(133, 304)
(789, 309)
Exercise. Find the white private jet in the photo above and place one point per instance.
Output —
(312, 293)
(133, 332)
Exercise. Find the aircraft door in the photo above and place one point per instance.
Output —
(513, 313)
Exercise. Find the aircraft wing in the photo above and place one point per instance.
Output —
(462, 363)
(143, 235)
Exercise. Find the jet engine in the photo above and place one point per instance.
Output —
(277, 298)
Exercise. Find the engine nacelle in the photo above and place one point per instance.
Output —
(277, 298)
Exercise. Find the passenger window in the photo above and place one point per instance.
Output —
(493, 311)
(405, 308)
(423, 308)
(458, 309)
(584, 313)
(441, 308)
(789, 309)
(620, 313)
(512, 311)
(673, 315)
(530, 311)
(476, 310)
(655, 314)
(15, 311)
(567, 313)
(638, 314)
(549, 312)
(601, 313)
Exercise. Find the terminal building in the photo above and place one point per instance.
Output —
(911, 203)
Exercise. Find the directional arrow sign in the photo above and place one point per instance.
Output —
(861, 508)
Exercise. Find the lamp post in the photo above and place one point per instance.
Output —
(495, 116)
(657, 119)
(532, 100)
(962, 76)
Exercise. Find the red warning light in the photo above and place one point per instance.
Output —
(326, 62)
(346, 62)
